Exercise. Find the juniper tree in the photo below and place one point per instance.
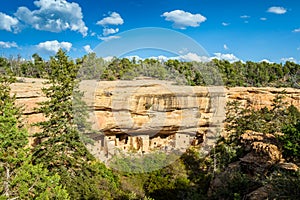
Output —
(19, 179)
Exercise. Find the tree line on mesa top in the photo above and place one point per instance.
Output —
(59, 166)
(244, 74)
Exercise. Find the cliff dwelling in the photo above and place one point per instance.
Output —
(106, 146)
(151, 117)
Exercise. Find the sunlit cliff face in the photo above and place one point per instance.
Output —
(149, 115)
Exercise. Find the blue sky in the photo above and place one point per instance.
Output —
(233, 29)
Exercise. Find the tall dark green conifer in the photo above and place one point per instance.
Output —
(60, 148)
(19, 179)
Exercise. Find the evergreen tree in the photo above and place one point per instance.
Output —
(19, 179)
(290, 142)
(60, 147)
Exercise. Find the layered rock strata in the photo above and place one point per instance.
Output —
(146, 115)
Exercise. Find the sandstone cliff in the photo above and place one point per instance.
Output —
(144, 96)
(147, 114)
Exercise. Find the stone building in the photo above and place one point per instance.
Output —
(106, 146)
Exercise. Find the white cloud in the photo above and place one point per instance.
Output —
(225, 24)
(54, 46)
(186, 57)
(137, 58)
(8, 23)
(164, 58)
(112, 37)
(277, 10)
(8, 45)
(54, 16)
(182, 19)
(109, 31)
(108, 58)
(296, 30)
(88, 49)
(263, 19)
(245, 16)
(290, 59)
(194, 57)
(228, 57)
(225, 47)
(113, 19)
(266, 60)
(93, 33)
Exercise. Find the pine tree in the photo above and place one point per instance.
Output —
(60, 148)
(19, 179)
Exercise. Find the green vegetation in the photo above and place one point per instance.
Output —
(59, 146)
(244, 179)
(142, 164)
(259, 74)
(19, 177)
(59, 166)
(291, 141)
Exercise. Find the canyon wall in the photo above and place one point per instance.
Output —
(149, 114)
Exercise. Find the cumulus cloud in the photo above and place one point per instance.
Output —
(186, 57)
(225, 47)
(194, 57)
(88, 49)
(290, 59)
(54, 46)
(182, 19)
(8, 23)
(277, 10)
(225, 24)
(266, 60)
(190, 56)
(8, 45)
(229, 57)
(109, 31)
(113, 19)
(164, 58)
(53, 16)
(112, 37)
(108, 58)
(263, 19)
(137, 58)
(296, 30)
